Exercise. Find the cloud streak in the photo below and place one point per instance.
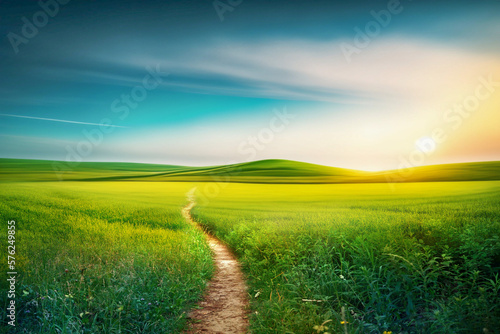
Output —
(60, 120)
(390, 69)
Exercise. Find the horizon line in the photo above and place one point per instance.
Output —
(246, 162)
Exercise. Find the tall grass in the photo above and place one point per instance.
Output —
(103, 257)
(417, 258)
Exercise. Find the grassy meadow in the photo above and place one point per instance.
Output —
(112, 254)
(263, 171)
(103, 257)
(403, 258)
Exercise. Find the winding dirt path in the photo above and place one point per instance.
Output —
(223, 310)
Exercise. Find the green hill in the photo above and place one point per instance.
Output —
(264, 171)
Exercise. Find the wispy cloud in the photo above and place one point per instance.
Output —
(390, 69)
(59, 120)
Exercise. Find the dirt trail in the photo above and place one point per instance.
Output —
(224, 307)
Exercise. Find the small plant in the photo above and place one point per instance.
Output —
(322, 328)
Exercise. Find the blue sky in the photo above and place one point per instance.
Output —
(221, 82)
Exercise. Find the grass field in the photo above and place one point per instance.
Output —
(102, 257)
(118, 257)
(411, 258)
(264, 171)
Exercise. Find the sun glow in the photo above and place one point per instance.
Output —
(426, 145)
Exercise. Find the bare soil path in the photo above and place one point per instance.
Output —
(223, 310)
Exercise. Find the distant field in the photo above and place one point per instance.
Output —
(406, 258)
(103, 257)
(265, 171)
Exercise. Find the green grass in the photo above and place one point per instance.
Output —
(403, 257)
(102, 257)
(48, 170)
(406, 258)
(265, 171)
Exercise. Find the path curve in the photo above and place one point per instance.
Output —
(223, 309)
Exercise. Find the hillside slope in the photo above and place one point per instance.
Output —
(264, 171)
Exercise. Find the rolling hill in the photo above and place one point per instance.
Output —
(264, 171)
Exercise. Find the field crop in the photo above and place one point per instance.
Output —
(102, 257)
(365, 258)
(110, 257)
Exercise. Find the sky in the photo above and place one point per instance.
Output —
(367, 85)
